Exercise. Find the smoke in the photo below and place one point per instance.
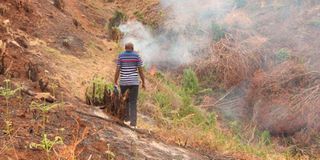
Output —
(188, 29)
(185, 33)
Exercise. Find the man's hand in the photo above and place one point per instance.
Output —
(116, 76)
(142, 77)
(143, 85)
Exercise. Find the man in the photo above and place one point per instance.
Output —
(129, 67)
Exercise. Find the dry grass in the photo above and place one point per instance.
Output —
(228, 64)
(213, 140)
(71, 152)
(289, 79)
(286, 100)
(286, 78)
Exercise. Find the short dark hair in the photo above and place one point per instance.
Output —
(129, 46)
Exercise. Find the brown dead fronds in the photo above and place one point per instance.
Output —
(229, 64)
(286, 98)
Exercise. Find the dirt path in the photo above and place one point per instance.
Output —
(129, 144)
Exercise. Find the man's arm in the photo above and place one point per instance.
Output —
(116, 76)
(140, 69)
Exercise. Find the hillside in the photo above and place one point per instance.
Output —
(234, 79)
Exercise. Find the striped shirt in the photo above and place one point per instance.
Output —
(129, 62)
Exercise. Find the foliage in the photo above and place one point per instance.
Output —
(200, 128)
(110, 154)
(163, 101)
(43, 107)
(193, 114)
(117, 18)
(211, 121)
(7, 92)
(235, 127)
(114, 22)
(265, 138)
(190, 81)
(96, 91)
(47, 144)
(282, 55)
(218, 32)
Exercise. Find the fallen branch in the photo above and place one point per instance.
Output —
(218, 101)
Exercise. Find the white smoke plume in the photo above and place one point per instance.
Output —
(186, 31)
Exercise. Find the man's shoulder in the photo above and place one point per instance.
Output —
(129, 54)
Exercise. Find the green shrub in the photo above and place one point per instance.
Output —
(114, 23)
(282, 55)
(211, 121)
(95, 93)
(195, 116)
(46, 144)
(117, 18)
(235, 127)
(265, 138)
(163, 101)
(7, 92)
(218, 32)
(190, 81)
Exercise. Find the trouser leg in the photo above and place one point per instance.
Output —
(133, 97)
(123, 90)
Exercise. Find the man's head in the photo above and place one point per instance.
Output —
(129, 47)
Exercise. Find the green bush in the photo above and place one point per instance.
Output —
(265, 138)
(163, 101)
(211, 121)
(235, 127)
(96, 91)
(194, 114)
(282, 55)
(190, 81)
(117, 18)
(218, 32)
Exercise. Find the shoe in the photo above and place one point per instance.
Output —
(127, 123)
(133, 127)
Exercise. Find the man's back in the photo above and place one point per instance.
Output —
(129, 69)
(128, 62)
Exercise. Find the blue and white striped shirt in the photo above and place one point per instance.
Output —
(129, 61)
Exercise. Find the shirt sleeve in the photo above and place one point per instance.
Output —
(140, 62)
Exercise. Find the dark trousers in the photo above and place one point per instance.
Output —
(131, 110)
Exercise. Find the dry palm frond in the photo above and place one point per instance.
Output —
(229, 63)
